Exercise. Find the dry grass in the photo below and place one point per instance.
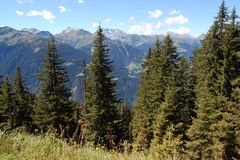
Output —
(22, 146)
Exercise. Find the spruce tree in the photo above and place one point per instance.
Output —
(140, 122)
(22, 99)
(124, 122)
(212, 135)
(160, 66)
(53, 107)
(177, 110)
(83, 111)
(101, 97)
(230, 121)
(7, 110)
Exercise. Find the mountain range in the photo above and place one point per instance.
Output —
(25, 48)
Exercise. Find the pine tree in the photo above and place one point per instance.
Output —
(7, 110)
(171, 146)
(22, 99)
(233, 108)
(53, 107)
(212, 135)
(229, 124)
(101, 97)
(140, 122)
(125, 119)
(159, 68)
(83, 124)
(177, 110)
(85, 71)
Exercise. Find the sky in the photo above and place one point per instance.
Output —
(146, 17)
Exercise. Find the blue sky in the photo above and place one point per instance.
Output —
(132, 16)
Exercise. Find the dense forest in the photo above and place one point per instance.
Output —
(186, 108)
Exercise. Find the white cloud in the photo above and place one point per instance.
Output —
(45, 14)
(20, 1)
(131, 18)
(24, 1)
(173, 12)
(95, 24)
(121, 24)
(154, 14)
(146, 29)
(181, 30)
(80, 1)
(176, 20)
(62, 9)
(108, 20)
(158, 25)
(19, 13)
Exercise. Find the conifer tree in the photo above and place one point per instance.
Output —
(101, 97)
(7, 110)
(160, 67)
(124, 122)
(83, 111)
(140, 122)
(229, 124)
(171, 146)
(212, 135)
(53, 107)
(22, 99)
(85, 71)
(177, 110)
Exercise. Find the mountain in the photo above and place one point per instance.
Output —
(75, 37)
(26, 48)
(115, 34)
(40, 34)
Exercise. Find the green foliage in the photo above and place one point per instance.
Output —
(170, 148)
(7, 110)
(23, 146)
(159, 68)
(178, 107)
(214, 132)
(183, 110)
(100, 95)
(15, 104)
(53, 107)
(142, 118)
(125, 117)
(23, 102)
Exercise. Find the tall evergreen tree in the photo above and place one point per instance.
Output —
(212, 135)
(101, 96)
(53, 106)
(22, 99)
(177, 110)
(159, 68)
(140, 122)
(83, 111)
(7, 107)
(125, 117)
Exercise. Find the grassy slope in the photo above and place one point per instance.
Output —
(26, 147)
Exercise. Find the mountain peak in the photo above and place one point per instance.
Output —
(76, 31)
(115, 34)
(31, 30)
(177, 35)
(6, 29)
(71, 29)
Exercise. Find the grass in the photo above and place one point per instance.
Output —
(22, 146)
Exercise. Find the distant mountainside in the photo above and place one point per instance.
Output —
(26, 48)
